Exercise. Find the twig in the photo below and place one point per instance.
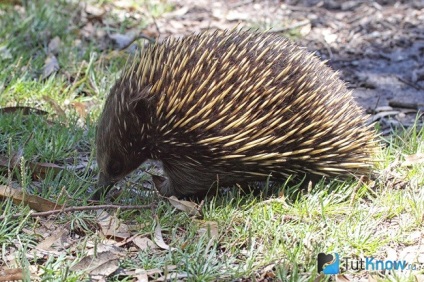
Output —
(398, 104)
(82, 208)
(140, 36)
(407, 82)
(355, 190)
(291, 27)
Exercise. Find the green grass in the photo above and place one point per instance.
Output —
(285, 233)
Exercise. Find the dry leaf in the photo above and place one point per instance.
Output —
(141, 275)
(11, 274)
(112, 227)
(5, 53)
(80, 108)
(208, 227)
(419, 277)
(342, 278)
(14, 160)
(122, 40)
(51, 65)
(373, 278)
(49, 241)
(319, 278)
(34, 202)
(190, 208)
(53, 103)
(413, 159)
(172, 276)
(104, 264)
(94, 11)
(159, 238)
(54, 46)
(40, 170)
(144, 243)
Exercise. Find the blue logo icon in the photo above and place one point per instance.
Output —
(328, 264)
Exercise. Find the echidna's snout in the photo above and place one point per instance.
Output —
(104, 184)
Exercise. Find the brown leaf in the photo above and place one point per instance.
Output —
(141, 275)
(122, 40)
(94, 11)
(413, 159)
(419, 277)
(80, 108)
(55, 105)
(34, 202)
(54, 46)
(172, 277)
(40, 170)
(14, 160)
(342, 278)
(208, 227)
(190, 208)
(49, 241)
(144, 243)
(51, 65)
(11, 274)
(104, 263)
(158, 239)
(112, 227)
(319, 278)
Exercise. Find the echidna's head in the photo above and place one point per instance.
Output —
(119, 138)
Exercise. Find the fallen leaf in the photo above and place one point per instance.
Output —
(342, 278)
(40, 170)
(104, 263)
(54, 46)
(144, 243)
(94, 11)
(373, 278)
(5, 53)
(80, 108)
(190, 208)
(141, 275)
(34, 202)
(208, 227)
(419, 277)
(51, 65)
(172, 276)
(49, 241)
(55, 105)
(413, 159)
(111, 226)
(158, 239)
(11, 274)
(122, 40)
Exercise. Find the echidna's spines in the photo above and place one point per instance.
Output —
(237, 105)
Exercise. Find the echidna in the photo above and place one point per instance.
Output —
(233, 106)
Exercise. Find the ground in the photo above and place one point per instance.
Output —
(61, 58)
